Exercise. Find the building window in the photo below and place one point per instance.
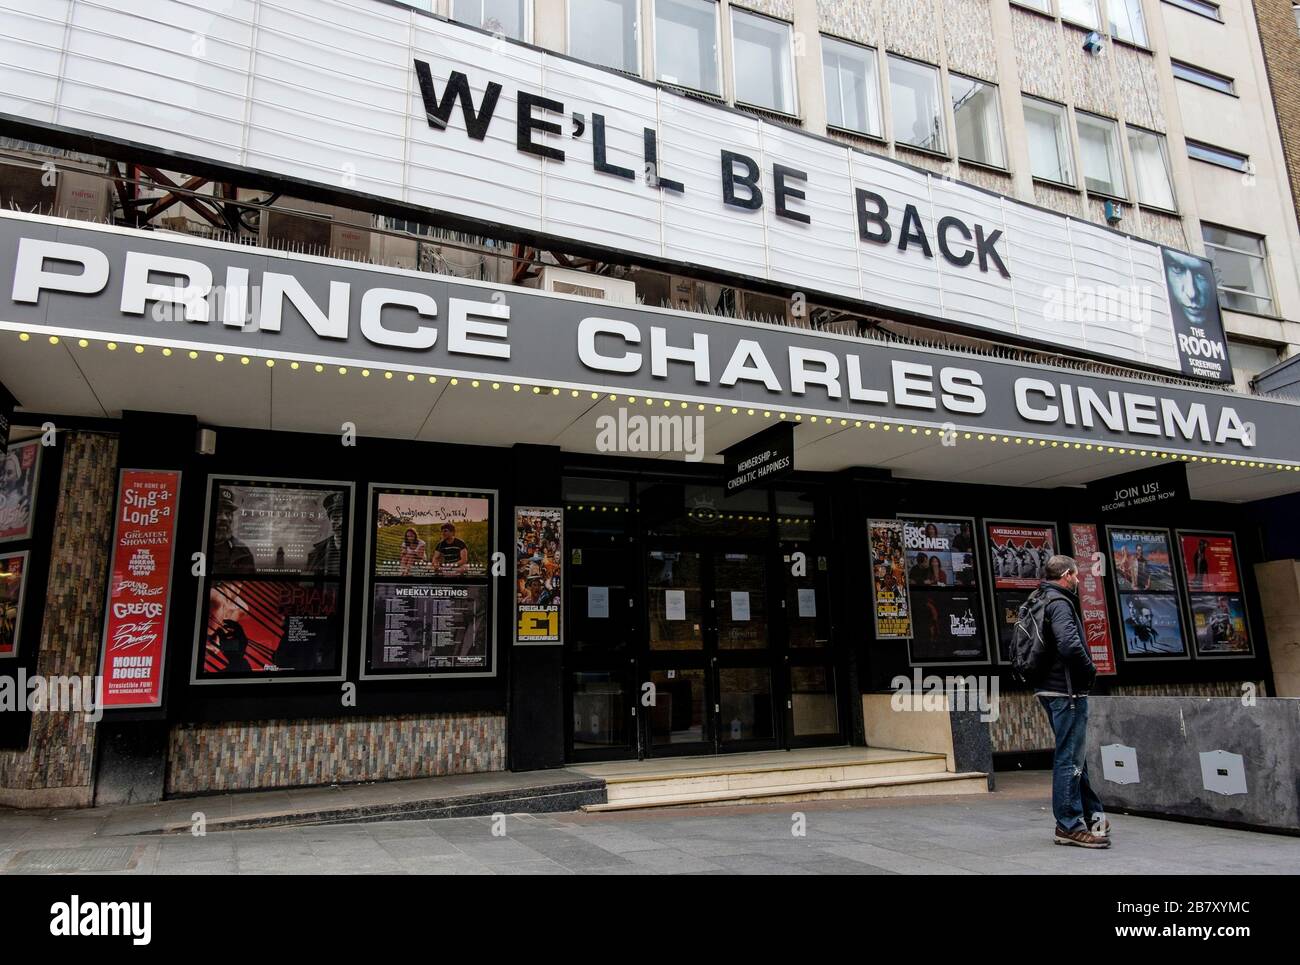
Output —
(605, 32)
(1151, 168)
(1103, 165)
(764, 65)
(1216, 155)
(1240, 269)
(979, 121)
(686, 44)
(852, 86)
(1203, 7)
(1081, 12)
(1042, 6)
(504, 17)
(915, 102)
(1203, 77)
(1049, 141)
(1126, 22)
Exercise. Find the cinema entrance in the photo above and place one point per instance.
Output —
(698, 624)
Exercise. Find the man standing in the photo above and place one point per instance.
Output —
(1063, 692)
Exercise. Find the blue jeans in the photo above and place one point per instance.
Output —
(1073, 801)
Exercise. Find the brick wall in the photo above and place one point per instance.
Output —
(1281, 41)
(56, 770)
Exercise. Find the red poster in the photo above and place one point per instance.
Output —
(135, 630)
(1092, 596)
(1210, 563)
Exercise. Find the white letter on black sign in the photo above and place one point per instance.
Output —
(661, 353)
(464, 336)
(31, 278)
(589, 328)
(192, 296)
(372, 318)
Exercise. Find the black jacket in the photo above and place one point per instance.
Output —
(1068, 654)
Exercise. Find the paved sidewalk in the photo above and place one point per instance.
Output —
(1005, 832)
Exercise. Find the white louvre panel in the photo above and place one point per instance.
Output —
(325, 92)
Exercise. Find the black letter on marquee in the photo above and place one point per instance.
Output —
(438, 112)
(987, 251)
(879, 217)
(961, 261)
(749, 181)
(598, 149)
(655, 178)
(527, 124)
(779, 173)
(911, 230)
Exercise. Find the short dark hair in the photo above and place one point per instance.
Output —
(1058, 566)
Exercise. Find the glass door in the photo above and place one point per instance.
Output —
(745, 704)
(677, 707)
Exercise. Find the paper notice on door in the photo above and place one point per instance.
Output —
(739, 605)
(674, 604)
(807, 602)
(598, 602)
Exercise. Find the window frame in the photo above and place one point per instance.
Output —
(1129, 131)
(793, 65)
(1198, 7)
(1111, 6)
(1032, 7)
(1001, 122)
(637, 46)
(720, 93)
(1192, 74)
(1067, 130)
(527, 19)
(874, 53)
(1208, 152)
(1262, 255)
(1096, 13)
(1114, 126)
(941, 102)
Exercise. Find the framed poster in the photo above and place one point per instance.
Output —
(430, 605)
(539, 564)
(1146, 593)
(1216, 603)
(273, 601)
(944, 588)
(133, 652)
(21, 472)
(13, 586)
(1086, 547)
(1016, 558)
(890, 602)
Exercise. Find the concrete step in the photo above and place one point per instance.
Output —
(902, 785)
(738, 777)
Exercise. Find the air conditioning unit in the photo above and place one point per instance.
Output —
(566, 281)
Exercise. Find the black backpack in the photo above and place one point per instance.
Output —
(1029, 649)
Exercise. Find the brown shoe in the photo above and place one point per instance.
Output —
(1082, 838)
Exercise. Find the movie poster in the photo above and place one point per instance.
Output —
(942, 576)
(435, 534)
(429, 626)
(13, 582)
(262, 627)
(1018, 553)
(889, 580)
(274, 599)
(275, 529)
(1210, 562)
(947, 628)
(18, 489)
(431, 585)
(1219, 625)
(1152, 626)
(539, 559)
(940, 552)
(1140, 560)
(1006, 609)
(134, 648)
(1092, 597)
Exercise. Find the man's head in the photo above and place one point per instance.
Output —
(1063, 571)
(334, 507)
(226, 508)
(448, 531)
(1191, 286)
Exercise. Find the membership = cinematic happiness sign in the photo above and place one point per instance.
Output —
(441, 117)
(74, 279)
